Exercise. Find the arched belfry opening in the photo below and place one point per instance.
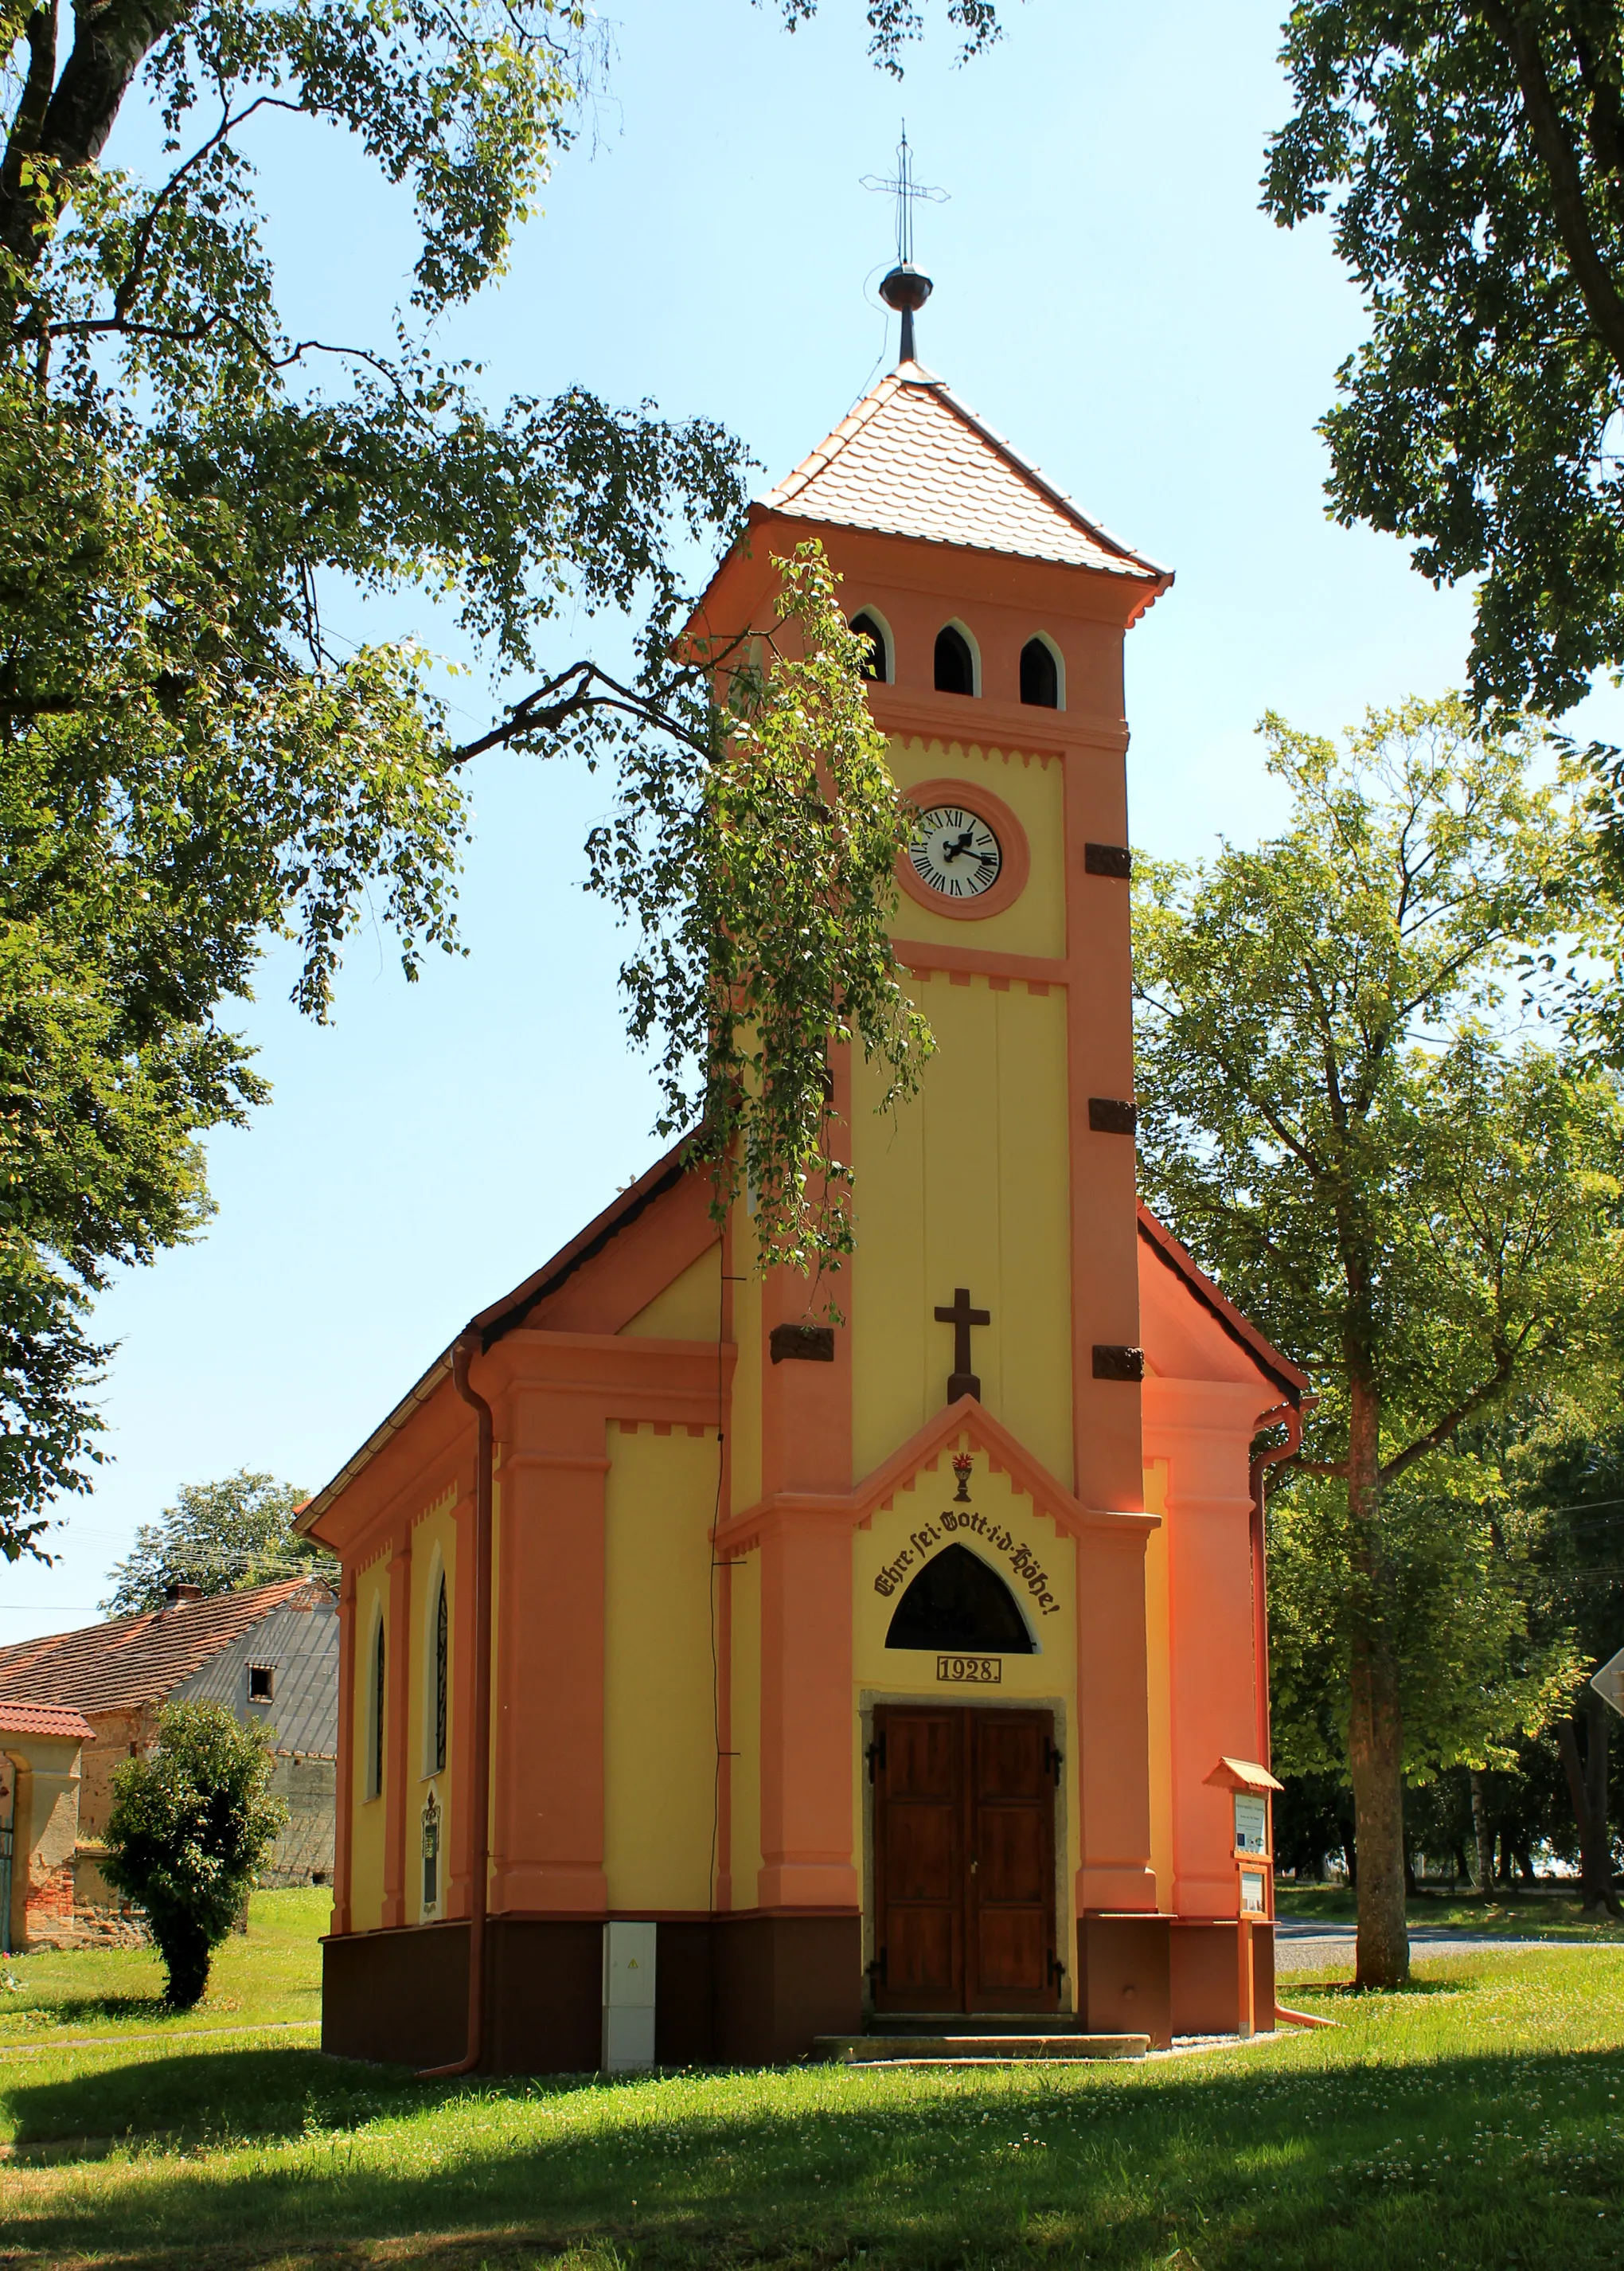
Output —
(877, 656)
(956, 664)
(1040, 675)
(957, 1603)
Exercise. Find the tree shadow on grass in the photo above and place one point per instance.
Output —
(207, 2096)
(1344, 2168)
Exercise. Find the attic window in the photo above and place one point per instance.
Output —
(1040, 675)
(870, 631)
(262, 1683)
(955, 664)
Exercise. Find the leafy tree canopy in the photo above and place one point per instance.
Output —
(221, 1536)
(1418, 1211)
(1473, 158)
(187, 766)
(189, 1828)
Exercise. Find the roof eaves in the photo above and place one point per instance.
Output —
(506, 1315)
(1240, 1328)
(1040, 479)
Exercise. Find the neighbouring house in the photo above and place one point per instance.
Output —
(39, 1749)
(269, 1653)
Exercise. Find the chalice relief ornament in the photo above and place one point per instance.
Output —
(963, 1466)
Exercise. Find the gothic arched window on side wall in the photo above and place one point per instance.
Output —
(959, 1604)
(443, 1677)
(955, 664)
(872, 631)
(1040, 675)
(374, 1730)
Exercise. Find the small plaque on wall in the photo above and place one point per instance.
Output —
(971, 1671)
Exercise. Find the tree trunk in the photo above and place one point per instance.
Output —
(1484, 1834)
(1376, 1721)
(1587, 1789)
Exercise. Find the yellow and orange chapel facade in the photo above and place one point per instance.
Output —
(905, 1674)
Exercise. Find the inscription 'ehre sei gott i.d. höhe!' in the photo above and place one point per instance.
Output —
(923, 1542)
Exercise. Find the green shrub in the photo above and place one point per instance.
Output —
(188, 1828)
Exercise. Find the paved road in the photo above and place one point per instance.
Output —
(1301, 1946)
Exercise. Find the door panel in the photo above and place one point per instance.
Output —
(919, 1861)
(964, 1860)
(1010, 1924)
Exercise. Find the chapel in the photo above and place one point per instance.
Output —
(721, 1687)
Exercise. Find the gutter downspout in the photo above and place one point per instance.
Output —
(480, 1796)
(1293, 1418)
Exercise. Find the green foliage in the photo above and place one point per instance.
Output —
(1325, 1111)
(187, 765)
(756, 857)
(188, 1827)
(1472, 1673)
(1474, 157)
(1421, 1211)
(222, 1536)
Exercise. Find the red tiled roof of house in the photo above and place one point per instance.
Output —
(43, 1719)
(130, 1660)
(912, 460)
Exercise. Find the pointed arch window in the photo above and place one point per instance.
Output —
(443, 1680)
(1040, 675)
(955, 662)
(872, 631)
(957, 1603)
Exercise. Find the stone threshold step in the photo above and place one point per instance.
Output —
(971, 2022)
(1004, 2050)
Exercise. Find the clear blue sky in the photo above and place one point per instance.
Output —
(1108, 294)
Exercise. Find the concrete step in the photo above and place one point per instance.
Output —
(972, 2022)
(974, 2050)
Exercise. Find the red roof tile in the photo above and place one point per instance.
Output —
(134, 1660)
(43, 1719)
(911, 459)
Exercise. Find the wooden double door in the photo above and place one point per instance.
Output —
(964, 1860)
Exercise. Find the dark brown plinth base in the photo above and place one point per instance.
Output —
(1206, 1980)
(1122, 1976)
(729, 1991)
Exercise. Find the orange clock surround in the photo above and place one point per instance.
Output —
(1012, 845)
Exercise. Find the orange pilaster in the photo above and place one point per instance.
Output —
(1204, 1430)
(547, 1736)
(806, 1858)
(1113, 1735)
(397, 1762)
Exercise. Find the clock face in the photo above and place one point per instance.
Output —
(955, 851)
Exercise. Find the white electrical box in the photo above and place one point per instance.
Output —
(628, 1996)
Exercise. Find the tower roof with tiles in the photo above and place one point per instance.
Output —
(911, 459)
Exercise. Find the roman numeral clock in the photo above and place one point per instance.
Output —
(955, 852)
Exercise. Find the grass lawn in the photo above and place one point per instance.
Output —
(1511, 1912)
(273, 1973)
(1477, 2119)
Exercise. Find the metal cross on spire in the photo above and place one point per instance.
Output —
(905, 289)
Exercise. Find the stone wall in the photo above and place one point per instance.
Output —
(303, 1854)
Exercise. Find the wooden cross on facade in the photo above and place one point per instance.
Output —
(961, 1316)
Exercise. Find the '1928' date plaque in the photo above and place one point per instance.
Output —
(971, 1671)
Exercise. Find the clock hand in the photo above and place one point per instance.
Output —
(959, 844)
